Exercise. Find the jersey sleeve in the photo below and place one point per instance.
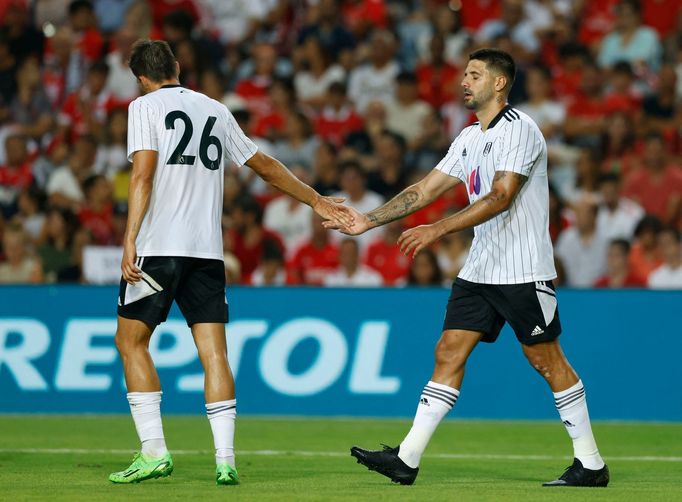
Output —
(141, 131)
(451, 164)
(239, 146)
(519, 148)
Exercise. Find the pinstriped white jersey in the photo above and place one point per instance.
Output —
(514, 247)
(194, 135)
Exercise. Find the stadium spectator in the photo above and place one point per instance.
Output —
(375, 80)
(255, 76)
(454, 37)
(289, 218)
(248, 236)
(112, 156)
(8, 63)
(384, 256)
(425, 270)
(271, 271)
(121, 82)
(30, 212)
(315, 259)
(668, 275)
(618, 273)
(659, 108)
(430, 145)
(338, 117)
(55, 245)
(390, 174)
(558, 221)
(15, 174)
(192, 62)
(64, 185)
(325, 170)
(405, 114)
(645, 254)
(587, 109)
(662, 15)
(361, 16)
(298, 145)
(453, 252)
(549, 114)
(618, 145)
(326, 25)
(85, 110)
(618, 216)
(437, 79)
(272, 125)
(111, 14)
(582, 249)
(586, 185)
(25, 40)
(96, 214)
(30, 109)
(19, 267)
(354, 189)
(631, 41)
(623, 93)
(63, 72)
(351, 272)
(657, 184)
(477, 12)
(234, 21)
(363, 141)
(512, 22)
(88, 41)
(317, 73)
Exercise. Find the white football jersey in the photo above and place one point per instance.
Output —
(194, 135)
(514, 247)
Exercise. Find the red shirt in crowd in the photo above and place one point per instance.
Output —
(250, 254)
(357, 12)
(631, 281)
(662, 15)
(476, 12)
(254, 90)
(654, 193)
(334, 126)
(90, 44)
(642, 265)
(99, 223)
(16, 177)
(75, 110)
(388, 261)
(596, 20)
(311, 264)
(439, 85)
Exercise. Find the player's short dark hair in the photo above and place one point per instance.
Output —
(153, 59)
(623, 244)
(78, 5)
(498, 61)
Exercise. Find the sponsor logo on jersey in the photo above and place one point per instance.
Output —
(475, 181)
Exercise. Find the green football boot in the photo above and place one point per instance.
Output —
(226, 475)
(144, 468)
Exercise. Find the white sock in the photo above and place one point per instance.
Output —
(572, 407)
(221, 416)
(146, 410)
(434, 403)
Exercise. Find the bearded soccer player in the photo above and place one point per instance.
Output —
(508, 274)
(179, 141)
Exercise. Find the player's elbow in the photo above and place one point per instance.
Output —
(501, 200)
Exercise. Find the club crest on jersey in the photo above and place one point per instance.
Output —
(487, 148)
(475, 181)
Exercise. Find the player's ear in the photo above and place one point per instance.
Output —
(500, 83)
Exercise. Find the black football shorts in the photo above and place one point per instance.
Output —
(196, 284)
(530, 309)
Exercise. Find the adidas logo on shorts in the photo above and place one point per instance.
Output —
(537, 331)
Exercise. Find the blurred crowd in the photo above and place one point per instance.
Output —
(359, 98)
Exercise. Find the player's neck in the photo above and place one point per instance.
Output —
(155, 86)
(489, 112)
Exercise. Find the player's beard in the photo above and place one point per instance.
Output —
(477, 102)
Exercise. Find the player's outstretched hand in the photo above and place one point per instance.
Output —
(332, 209)
(415, 239)
(131, 273)
(360, 224)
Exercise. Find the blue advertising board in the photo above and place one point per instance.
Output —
(350, 352)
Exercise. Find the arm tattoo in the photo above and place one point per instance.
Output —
(401, 205)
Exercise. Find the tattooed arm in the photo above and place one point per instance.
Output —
(506, 186)
(408, 201)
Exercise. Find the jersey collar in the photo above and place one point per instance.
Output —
(169, 86)
(498, 117)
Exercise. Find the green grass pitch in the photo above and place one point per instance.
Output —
(70, 457)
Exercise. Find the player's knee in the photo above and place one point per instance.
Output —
(126, 343)
(449, 353)
(541, 363)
